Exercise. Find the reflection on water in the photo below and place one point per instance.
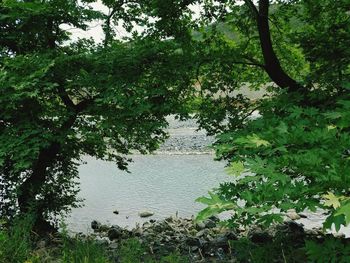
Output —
(163, 184)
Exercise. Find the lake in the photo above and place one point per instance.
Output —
(163, 184)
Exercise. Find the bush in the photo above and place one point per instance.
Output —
(332, 249)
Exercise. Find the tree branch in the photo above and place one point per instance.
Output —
(65, 98)
(272, 64)
(107, 29)
(252, 7)
(70, 104)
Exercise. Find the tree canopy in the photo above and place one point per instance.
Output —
(61, 98)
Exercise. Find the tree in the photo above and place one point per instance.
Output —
(296, 150)
(62, 99)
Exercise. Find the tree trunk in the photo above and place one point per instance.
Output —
(272, 64)
(31, 187)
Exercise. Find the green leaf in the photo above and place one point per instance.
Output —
(331, 200)
(252, 141)
(235, 168)
(344, 210)
(337, 220)
(215, 204)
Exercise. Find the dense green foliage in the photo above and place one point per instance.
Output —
(63, 98)
(293, 153)
(297, 157)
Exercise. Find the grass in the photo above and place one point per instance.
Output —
(17, 245)
(82, 251)
(15, 242)
(131, 251)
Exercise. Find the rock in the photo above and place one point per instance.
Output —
(302, 215)
(146, 214)
(314, 231)
(203, 233)
(113, 245)
(291, 230)
(209, 223)
(294, 227)
(115, 232)
(292, 214)
(146, 225)
(215, 219)
(102, 240)
(192, 241)
(220, 241)
(200, 226)
(152, 221)
(220, 254)
(137, 232)
(95, 225)
(194, 248)
(103, 228)
(169, 219)
(116, 212)
(203, 243)
(231, 235)
(259, 236)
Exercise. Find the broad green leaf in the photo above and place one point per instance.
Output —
(344, 210)
(337, 220)
(252, 141)
(331, 200)
(215, 206)
(235, 168)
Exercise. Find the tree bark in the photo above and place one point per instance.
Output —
(32, 186)
(272, 64)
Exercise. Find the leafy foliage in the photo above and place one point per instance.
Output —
(334, 250)
(62, 99)
(294, 152)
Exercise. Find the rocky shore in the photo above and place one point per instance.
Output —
(207, 241)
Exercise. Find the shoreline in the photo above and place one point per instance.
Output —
(207, 241)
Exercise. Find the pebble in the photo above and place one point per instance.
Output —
(115, 232)
(95, 225)
(146, 214)
(292, 214)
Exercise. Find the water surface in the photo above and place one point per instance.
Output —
(163, 184)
